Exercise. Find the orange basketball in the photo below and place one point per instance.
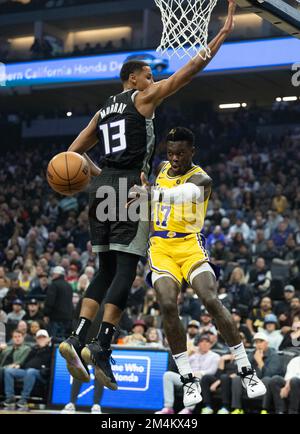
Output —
(68, 173)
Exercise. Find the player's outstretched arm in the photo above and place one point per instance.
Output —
(85, 141)
(164, 88)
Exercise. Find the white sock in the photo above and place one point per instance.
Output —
(240, 356)
(182, 363)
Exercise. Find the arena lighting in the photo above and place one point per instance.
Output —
(244, 104)
(278, 99)
(69, 114)
(230, 106)
(290, 98)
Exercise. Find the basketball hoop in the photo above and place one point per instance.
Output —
(185, 27)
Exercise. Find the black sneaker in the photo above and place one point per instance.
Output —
(70, 349)
(9, 403)
(100, 358)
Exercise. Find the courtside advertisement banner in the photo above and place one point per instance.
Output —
(139, 374)
(264, 54)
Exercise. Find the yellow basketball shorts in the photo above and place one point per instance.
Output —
(176, 256)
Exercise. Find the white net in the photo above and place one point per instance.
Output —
(185, 27)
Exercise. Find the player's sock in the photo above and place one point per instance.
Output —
(182, 363)
(240, 356)
(82, 328)
(105, 334)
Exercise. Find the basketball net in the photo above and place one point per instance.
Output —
(185, 27)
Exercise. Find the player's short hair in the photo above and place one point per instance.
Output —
(181, 134)
(130, 67)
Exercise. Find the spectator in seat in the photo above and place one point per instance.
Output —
(70, 408)
(270, 253)
(137, 337)
(240, 227)
(192, 332)
(203, 362)
(284, 307)
(217, 235)
(34, 327)
(266, 362)
(242, 328)
(23, 328)
(190, 305)
(36, 49)
(271, 331)
(17, 312)
(3, 287)
(291, 336)
(260, 278)
(257, 316)
(219, 254)
(241, 293)
(295, 308)
(151, 305)
(33, 311)
(206, 323)
(285, 391)
(14, 354)
(36, 367)
(14, 292)
(210, 383)
(73, 276)
(3, 315)
(154, 337)
(40, 291)
(58, 309)
(25, 279)
(281, 234)
(279, 202)
(136, 296)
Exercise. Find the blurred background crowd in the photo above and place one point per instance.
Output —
(252, 229)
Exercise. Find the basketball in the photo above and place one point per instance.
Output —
(68, 173)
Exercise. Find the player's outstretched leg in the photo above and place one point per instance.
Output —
(72, 347)
(98, 352)
(203, 282)
(167, 292)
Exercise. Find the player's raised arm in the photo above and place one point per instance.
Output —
(85, 141)
(164, 88)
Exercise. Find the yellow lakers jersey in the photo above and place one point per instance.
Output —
(183, 218)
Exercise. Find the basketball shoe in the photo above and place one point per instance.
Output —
(250, 381)
(100, 358)
(70, 349)
(191, 390)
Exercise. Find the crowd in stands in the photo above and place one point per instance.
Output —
(252, 229)
(48, 48)
(8, 6)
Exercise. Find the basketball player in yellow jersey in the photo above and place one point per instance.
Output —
(177, 252)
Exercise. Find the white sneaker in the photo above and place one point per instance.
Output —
(207, 410)
(96, 409)
(223, 410)
(191, 390)
(69, 409)
(253, 385)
